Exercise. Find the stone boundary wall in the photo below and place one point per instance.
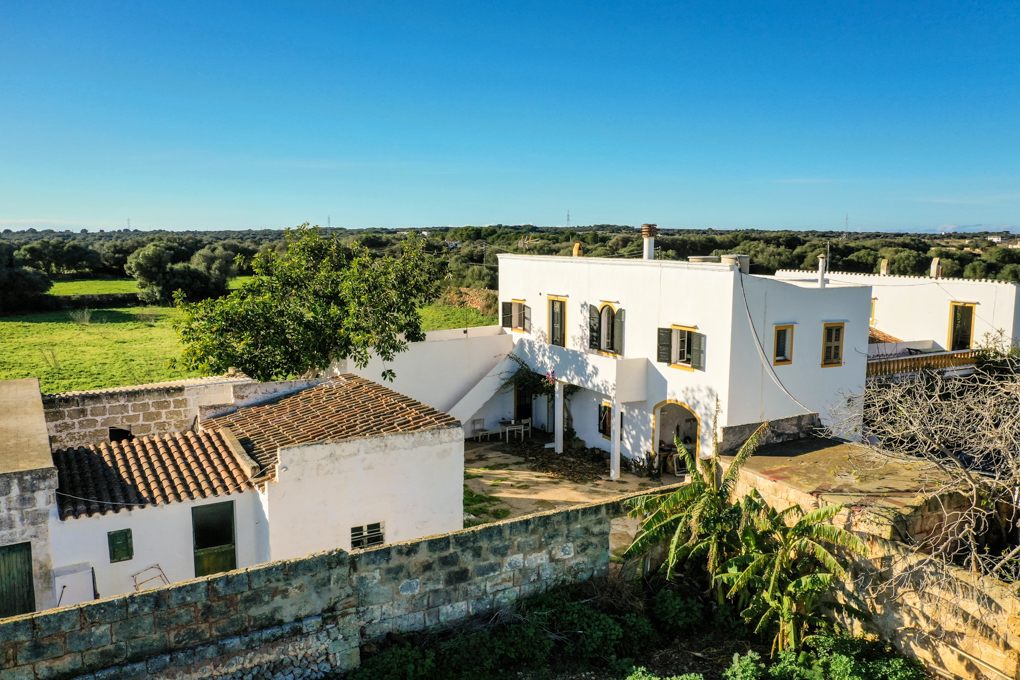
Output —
(84, 418)
(732, 437)
(305, 617)
(25, 501)
(966, 625)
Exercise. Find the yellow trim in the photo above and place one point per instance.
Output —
(548, 318)
(682, 367)
(789, 346)
(516, 300)
(610, 405)
(607, 353)
(522, 303)
(689, 329)
(607, 304)
(655, 429)
(842, 340)
(873, 301)
(973, 317)
(692, 329)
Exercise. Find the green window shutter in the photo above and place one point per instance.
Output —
(508, 314)
(121, 546)
(17, 588)
(698, 351)
(618, 332)
(594, 327)
(527, 319)
(556, 332)
(664, 349)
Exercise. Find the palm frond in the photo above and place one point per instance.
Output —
(749, 447)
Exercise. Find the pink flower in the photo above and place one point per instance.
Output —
(551, 377)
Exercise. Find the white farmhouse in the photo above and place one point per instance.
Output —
(346, 463)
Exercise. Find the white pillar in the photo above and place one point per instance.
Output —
(614, 461)
(559, 417)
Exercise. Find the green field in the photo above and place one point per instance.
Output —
(124, 346)
(105, 286)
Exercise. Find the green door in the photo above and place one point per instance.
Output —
(17, 590)
(213, 529)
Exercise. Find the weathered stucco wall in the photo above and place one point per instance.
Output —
(83, 418)
(302, 618)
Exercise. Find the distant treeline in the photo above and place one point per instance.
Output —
(200, 262)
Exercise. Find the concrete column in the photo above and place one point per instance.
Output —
(614, 461)
(559, 417)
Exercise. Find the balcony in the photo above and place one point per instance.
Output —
(620, 378)
(961, 359)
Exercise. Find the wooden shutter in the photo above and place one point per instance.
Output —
(618, 332)
(508, 314)
(556, 332)
(594, 327)
(121, 547)
(664, 351)
(527, 319)
(698, 351)
(17, 589)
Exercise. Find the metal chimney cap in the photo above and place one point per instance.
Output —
(649, 230)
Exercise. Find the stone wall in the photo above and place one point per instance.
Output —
(84, 418)
(25, 501)
(731, 438)
(302, 618)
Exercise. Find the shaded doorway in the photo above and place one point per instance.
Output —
(213, 529)
(961, 330)
(675, 422)
(522, 404)
(17, 588)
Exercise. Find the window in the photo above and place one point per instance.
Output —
(121, 547)
(558, 322)
(783, 353)
(606, 420)
(213, 532)
(367, 536)
(873, 301)
(681, 347)
(605, 329)
(118, 434)
(516, 316)
(961, 326)
(832, 348)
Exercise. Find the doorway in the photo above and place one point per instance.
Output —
(213, 530)
(17, 588)
(675, 422)
(522, 404)
(961, 329)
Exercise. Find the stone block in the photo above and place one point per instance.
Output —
(500, 582)
(438, 545)
(21, 673)
(105, 656)
(118, 409)
(432, 617)
(498, 550)
(20, 629)
(455, 577)
(487, 569)
(131, 419)
(133, 670)
(231, 644)
(410, 587)
(61, 667)
(174, 618)
(392, 610)
(152, 417)
(548, 571)
(375, 594)
(187, 593)
(255, 598)
(505, 598)
(183, 402)
(470, 590)
(513, 562)
(438, 598)
(65, 426)
(160, 404)
(158, 663)
(452, 612)
(173, 414)
(39, 650)
(448, 560)
(206, 652)
(97, 411)
(267, 574)
(479, 605)
(535, 559)
(53, 416)
(375, 557)
(232, 626)
(311, 624)
(139, 407)
(92, 637)
(147, 646)
(129, 629)
(145, 602)
(230, 583)
(75, 413)
(562, 552)
(51, 622)
(189, 636)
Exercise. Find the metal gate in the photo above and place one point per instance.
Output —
(17, 590)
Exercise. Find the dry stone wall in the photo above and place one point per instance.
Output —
(25, 501)
(306, 617)
(84, 418)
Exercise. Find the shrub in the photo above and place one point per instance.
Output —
(677, 613)
(639, 635)
(746, 667)
(397, 663)
(642, 674)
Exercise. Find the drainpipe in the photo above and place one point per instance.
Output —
(821, 271)
(648, 232)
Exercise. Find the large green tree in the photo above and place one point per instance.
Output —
(316, 301)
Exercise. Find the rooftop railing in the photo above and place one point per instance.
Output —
(937, 360)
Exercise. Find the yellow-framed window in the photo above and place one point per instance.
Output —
(557, 321)
(961, 325)
(782, 348)
(873, 301)
(832, 344)
(606, 420)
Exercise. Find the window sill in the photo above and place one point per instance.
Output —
(606, 354)
(785, 363)
(518, 330)
(832, 365)
(606, 436)
(682, 367)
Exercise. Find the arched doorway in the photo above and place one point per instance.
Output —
(673, 420)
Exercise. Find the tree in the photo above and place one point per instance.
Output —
(316, 302)
(19, 286)
(161, 274)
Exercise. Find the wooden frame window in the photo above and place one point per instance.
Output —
(367, 536)
(681, 347)
(121, 546)
(558, 321)
(606, 420)
(832, 345)
(782, 349)
(961, 325)
(605, 328)
(516, 315)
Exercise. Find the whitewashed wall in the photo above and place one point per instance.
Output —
(917, 308)
(161, 534)
(411, 482)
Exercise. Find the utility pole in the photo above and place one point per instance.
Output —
(329, 224)
(568, 218)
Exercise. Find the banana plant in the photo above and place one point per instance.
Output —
(699, 519)
(786, 569)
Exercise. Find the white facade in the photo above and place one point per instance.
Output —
(918, 308)
(161, 535)
(707, 298)
(411, 483)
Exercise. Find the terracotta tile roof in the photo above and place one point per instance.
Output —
(344, 407)
(876, 336)
(147, 471)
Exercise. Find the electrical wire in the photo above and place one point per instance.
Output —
(761, 350)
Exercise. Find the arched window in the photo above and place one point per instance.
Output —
(605, 328)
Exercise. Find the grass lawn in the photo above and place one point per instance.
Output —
(124, 346)
(105, 286)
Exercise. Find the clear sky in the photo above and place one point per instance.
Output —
(208, 115)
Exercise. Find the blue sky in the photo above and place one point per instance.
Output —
(220, 116)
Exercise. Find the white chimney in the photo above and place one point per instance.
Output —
(648, 232)
(936, 268)
(883, 269)
(821, 271)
